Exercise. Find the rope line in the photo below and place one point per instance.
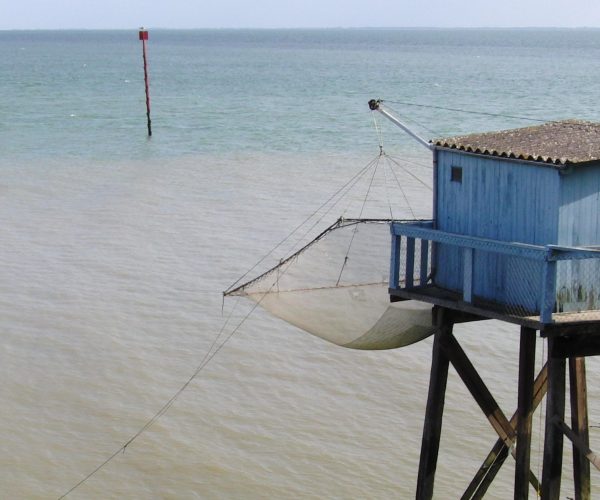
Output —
(412, 120)
(350, 186)
(404, 195)
(378, 131)
(419, 180)
(297, 228)
(207, 358)
(346, 209)
(359, 216)
(469, 111)
(212, 351)
(418, 164)
(219, 342)
(387, 192)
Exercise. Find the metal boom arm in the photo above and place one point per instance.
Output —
(375, 105)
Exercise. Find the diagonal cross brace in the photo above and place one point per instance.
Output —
(499, 452)
(480, 393)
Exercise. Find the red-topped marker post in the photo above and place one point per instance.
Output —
(144, 39)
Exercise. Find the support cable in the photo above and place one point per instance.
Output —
(357, 175)
(404, 195)
(469, 111)
(378, 132)
(349, 187)
(207, 358)
(205, 361)
(359, 216)
(412, 120)
(419, 180)
(387, 193)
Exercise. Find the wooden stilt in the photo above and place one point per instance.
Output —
(478, 389)
(524, 412)
(555, 409)
(551, 380)
(486, 474)
(486, 401)
(593, 458)
(579, 424)
(495, 459)
(432, 428)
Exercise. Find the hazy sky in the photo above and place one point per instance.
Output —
(35, 14)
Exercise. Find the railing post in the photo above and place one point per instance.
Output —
(548, 289)
(395, 260)
(468, 274)
(424, 262)
(410, 262)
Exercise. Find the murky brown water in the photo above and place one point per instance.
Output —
(110, 281)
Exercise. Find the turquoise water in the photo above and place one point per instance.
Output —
(116, 247)
(80, 93)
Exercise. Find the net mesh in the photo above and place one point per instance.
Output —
(336, 288)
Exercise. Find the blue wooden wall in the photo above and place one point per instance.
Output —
(497, 199)
(579, 225)
(579, 215)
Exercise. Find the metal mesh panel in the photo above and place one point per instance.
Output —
(578, 289)
(522, 285)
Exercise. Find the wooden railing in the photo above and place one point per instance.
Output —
(432, 240)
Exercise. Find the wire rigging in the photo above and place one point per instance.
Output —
(359, 216)
(470, 111)
(404, 195)
(387, 193)
(217, 343)
(205, 360)
(357, 175)
(418, 179)
(349, 187)
(378, 131)
(414, 121)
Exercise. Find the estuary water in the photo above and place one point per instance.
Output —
(116, 248)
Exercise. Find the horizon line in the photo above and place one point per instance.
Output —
(315, 28)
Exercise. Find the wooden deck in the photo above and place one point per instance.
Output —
(490, 310)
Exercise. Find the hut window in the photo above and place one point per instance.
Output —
(456, 174)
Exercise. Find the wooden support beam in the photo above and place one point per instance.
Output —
(579, 424)
(495, 459)
(487, 472)
(555, 410)
(572, 346)
(477, 388)
(432, 428)
(524, 412)
(457, 317)
(588, 329)
(578, 443)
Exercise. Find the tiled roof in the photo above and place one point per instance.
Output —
(558, 143)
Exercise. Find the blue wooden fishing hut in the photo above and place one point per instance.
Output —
(516, 227)
(515, 236)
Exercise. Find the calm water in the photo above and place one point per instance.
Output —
(115, 249)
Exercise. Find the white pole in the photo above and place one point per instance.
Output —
(375, 105)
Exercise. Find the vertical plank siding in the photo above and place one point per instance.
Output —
(502, 200)
(579, 225)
